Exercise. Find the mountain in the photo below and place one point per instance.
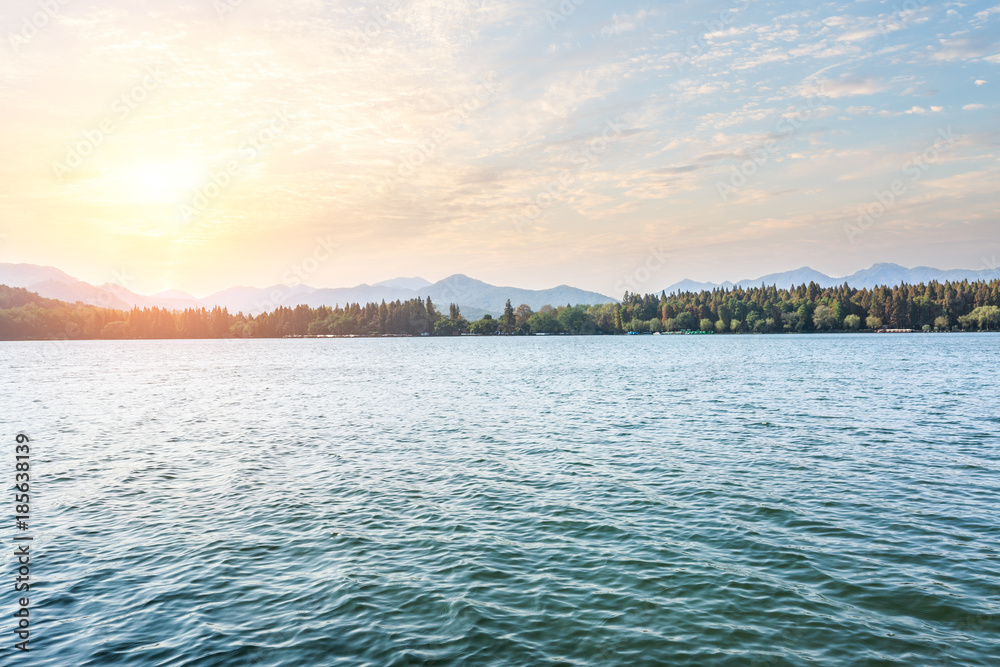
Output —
(805, 275)
(695, 286)
(894, 274)
(405, 283)
(474, 297)
(180, 301)
(52, 283)
(22, 275)
(76, 291)
(876, 275)
(467, 291)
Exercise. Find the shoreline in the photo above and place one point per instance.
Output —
(529, 335)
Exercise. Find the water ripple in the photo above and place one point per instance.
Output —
(761, 500)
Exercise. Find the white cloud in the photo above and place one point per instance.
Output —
(848, 86)
(356, 118)
(622, 23)
(912, 111)
(958, 49)
(772, 56)
(985, 14)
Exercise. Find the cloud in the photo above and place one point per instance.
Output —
(622, 23)
(912, 111)
(368, 99)
(775, 55)
(958, 49)
(849, 86)
(984, 15)
(859, 35)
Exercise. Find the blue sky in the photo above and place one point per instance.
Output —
(199, 145)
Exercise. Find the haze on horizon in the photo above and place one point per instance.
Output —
(205, 145)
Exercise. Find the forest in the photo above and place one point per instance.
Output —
(959, 306)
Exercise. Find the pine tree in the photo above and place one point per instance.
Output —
(508, 318)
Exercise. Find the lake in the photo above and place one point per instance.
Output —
(709, 500)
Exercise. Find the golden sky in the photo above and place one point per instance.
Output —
(203, 145)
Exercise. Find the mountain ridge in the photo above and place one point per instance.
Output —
(475, 297)
(880, 274)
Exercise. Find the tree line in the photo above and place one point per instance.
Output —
(929, 307)
(933, 307)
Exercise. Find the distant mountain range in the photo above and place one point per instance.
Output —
(879, 274)
(474, 297)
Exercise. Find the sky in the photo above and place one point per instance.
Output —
(164, 144)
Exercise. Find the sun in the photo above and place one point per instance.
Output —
(159, 182)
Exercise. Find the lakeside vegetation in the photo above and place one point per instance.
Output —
(959, 306)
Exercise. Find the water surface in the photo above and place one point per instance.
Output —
(711, 500)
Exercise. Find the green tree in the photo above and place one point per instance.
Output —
(686, 321)
(114, 330)
(445, 327)
(852, 322)
(984, 318)
(521, 315)
(823, 318)
(485, 326)
(509, 318)
(805, 313)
